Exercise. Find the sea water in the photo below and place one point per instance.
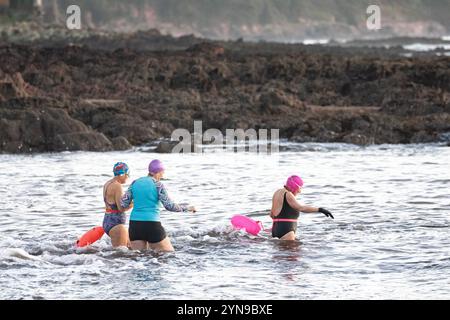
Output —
(390, 238)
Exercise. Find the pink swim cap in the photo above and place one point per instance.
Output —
(294, 183)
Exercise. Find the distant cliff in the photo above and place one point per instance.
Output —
(282, 20)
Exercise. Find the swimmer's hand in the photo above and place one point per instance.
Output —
(326, 212)
(192, 209)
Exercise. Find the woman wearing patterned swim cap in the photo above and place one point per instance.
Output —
(115, 217)
(286, 210)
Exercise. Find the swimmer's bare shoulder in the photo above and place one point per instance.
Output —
(274, 204)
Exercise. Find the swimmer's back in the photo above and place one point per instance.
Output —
(146, 200)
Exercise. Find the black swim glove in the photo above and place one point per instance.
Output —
(326, 212)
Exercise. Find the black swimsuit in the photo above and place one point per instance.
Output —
(281, 228)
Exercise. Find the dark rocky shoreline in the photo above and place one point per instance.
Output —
(57, 97)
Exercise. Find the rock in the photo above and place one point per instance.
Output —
(177, 147)
(121, 143)
(87, 141)
(360, 124)
(8, 90)
(276, 101)
(356, 138)
(207, 48)
(46, 129)
(422, 137)
(13, 87)
(299, 138)
(166, 146)
(111, 91)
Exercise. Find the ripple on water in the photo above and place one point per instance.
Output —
(389, 227)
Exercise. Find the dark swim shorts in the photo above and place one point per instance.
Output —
(150, 231)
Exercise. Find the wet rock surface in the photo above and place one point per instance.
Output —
(114, 96)
(41, 125)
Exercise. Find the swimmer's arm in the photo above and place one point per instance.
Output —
(125, 200)
(166, 201)
(118, 192)
(308, 209)
(272, 215)
(297, 206)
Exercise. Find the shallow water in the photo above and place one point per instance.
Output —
(389, 240)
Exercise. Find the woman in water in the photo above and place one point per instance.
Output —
(286, 209)
(115, 217)
(146, 231)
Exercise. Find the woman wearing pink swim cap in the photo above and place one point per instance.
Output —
(285, 209)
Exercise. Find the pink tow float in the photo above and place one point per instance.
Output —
(251, 226)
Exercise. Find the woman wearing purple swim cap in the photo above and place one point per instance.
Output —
(286, 210)
(146, 231)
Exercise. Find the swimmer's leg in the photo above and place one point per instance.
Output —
(119, 236)
(139, 245)
(288, 236)
(164, 245)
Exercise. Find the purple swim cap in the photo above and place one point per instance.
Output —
(155, 166)
(294, 183)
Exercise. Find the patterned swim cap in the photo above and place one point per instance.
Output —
(120, 169)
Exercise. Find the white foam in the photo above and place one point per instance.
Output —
(315, 41)
(210, 239)
(76, 259)
(18, 253)
(122, 249)
(191, 234)
(422, 47)
(183, 238)
(11, 242)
